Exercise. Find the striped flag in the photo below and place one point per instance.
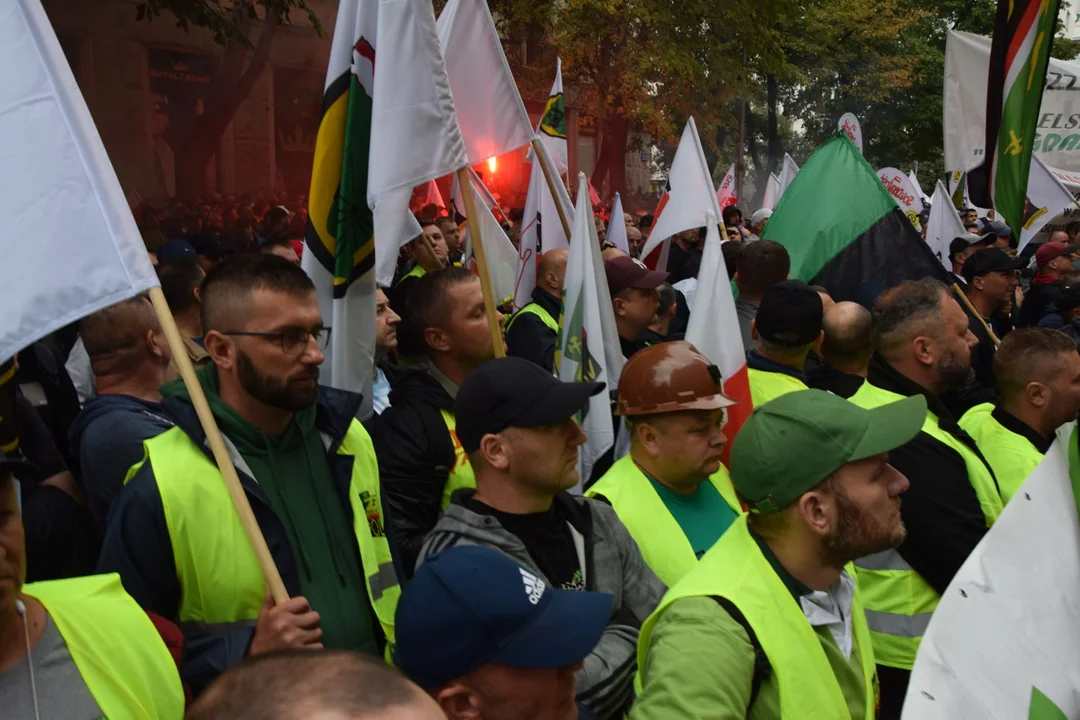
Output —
(1023, 33)
(340, 237)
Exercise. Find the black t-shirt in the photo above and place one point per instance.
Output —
(546, 537)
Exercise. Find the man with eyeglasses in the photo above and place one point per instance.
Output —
(308, 469)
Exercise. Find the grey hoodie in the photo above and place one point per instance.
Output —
(610, 562)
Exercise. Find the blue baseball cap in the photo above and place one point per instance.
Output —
(472, 606)
(172, 249)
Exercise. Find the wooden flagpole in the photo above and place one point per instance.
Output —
(217, 446)
(431, 250)
(549, 177)
(967, 303)
(468, 196)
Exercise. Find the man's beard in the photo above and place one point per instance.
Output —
(274, 391)
(858, 534)
(953, 374)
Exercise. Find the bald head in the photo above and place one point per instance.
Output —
(848, 343)
(611, 253)
(1060, 236)
(551, 271)
(295, 684)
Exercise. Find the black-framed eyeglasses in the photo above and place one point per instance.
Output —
(292, 340)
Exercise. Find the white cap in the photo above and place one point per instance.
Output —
(760, 216)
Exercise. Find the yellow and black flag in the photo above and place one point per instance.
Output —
(340, 239)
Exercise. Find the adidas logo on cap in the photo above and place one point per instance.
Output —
(534, 586)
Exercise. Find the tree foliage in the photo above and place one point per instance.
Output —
(226, 19)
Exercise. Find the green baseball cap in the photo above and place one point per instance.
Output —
(790, 445)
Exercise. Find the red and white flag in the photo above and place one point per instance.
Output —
(725, 194)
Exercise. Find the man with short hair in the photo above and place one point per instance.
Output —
(421, 461)
(787, 325)
(922, 346)
(770, 623)
(1052, 260)
(684, 254)
(386, 322)
(180, 279)
(297, 684)
(845, 350)
(532, 331)
(660, 329)
(991, 280)
(672, 492)
(490, 640)
(77, 648)
(969, 215)
(1038, 381)
(426, 261)
(452, 235)
(634, 298)
(306, 465)
(732, 216)
(761, 265)
(516, 423)
(963, 247)
(130, 361)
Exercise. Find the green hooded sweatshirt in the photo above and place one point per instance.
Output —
(294, 474)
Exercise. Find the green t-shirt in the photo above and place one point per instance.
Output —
(703, 515)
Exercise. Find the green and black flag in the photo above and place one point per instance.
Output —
(1023, 33)
(844, 231)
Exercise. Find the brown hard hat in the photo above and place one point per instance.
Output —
(668, 377)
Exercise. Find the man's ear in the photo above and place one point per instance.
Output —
(437, 338)
(459, 702)
(220, 349)
(155, 344)
(753, 329)
(494, 448)
(816, 508)
(924, 349)
(1038, 394)
(617, 305)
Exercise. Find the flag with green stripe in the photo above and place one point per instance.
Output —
(1023, 33)
(339, 243)
(844, 230)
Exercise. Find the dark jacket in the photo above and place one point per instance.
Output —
(982, 387)
(611, 563)
(529, 338)
(139, 548)
(940, 508)
(107, 440)
(826, 377)
(415, 454)
(1040, 300)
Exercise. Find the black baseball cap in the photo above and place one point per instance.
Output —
(990, 260)
(963, 242)
(513, 392)
(626, 272)
(471, 606)
(1068, 300)
(789, 314)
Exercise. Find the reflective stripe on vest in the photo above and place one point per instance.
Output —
(220, 578)
(535, 309)
(662, 542)
(461, 475)
(116, 648)
(735, 569)
(1012, 457)
(766, 386)
(899, 602)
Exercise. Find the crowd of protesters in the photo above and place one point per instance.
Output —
(439, 533)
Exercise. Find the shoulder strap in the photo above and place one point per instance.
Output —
(762, 666)
(438, 437)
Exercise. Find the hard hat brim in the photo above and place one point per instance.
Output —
(709, 402)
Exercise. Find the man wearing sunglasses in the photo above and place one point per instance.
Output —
(308, 469)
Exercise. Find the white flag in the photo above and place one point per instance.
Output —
(690, 195)
(725, 194)
(414, 134)
(1047, 198)
(787, 174)
(903, 192)
(616, 229)
(552, 127)
(71, 246)
(713, 328)
(1004, 641)
(502, 257)
(588, 345)
(918, 188)
(541, 227)
(943, 226)
(850, 126)
(772, 192)
(489, 109)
